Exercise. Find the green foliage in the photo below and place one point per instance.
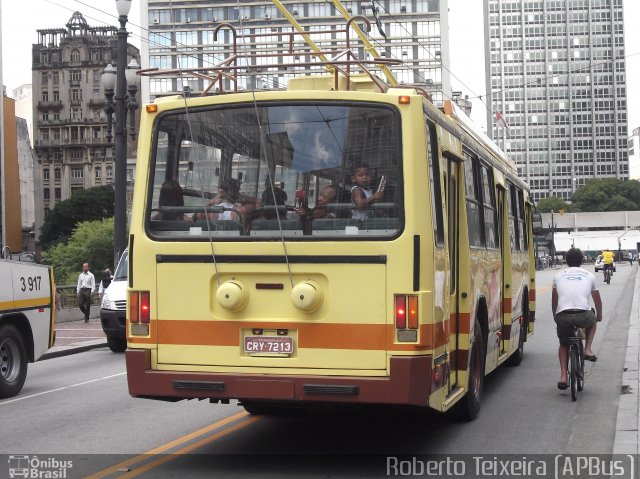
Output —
(608, 194)
(553, 203)
(84, 205)
(91, 241)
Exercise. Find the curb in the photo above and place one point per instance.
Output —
(627, 439)
(69, 350)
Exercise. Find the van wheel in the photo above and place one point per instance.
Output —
(13, 361)
(469, 407)
(117, 345)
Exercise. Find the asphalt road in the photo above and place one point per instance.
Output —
(79, 405)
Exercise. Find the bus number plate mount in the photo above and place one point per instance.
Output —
(268, 345)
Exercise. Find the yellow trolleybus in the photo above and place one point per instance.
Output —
(340, 241)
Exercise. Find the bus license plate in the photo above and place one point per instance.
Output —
(268, 345)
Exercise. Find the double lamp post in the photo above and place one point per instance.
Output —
(120, 86)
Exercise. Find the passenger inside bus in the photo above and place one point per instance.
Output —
(227, 197)
(361, 194)
(170, 195)
(328, 195)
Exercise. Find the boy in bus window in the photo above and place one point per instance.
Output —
(361, 194)
(328, 194)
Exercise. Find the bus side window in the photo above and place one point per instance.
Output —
(434, 180)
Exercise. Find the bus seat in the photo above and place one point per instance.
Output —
(261, 227)
(169, 225)
(388, 224)
(219, 227)
(332, 227)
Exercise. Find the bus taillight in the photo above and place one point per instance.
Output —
(144, 307)
(401, 312)
(139, 307)
(134, 315)
(406, 312)
(412, 310)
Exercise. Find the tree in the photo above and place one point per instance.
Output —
(84, 205)
(608, 194)
(553, 203)
(91, 241)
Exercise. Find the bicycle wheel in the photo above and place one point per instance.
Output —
(607, 276)
(580, 372)
(573, 372)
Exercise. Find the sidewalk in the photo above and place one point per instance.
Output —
(627, 438)
(75, 337)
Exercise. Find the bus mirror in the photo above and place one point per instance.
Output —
(536, 219)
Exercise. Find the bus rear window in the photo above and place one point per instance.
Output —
(302, 171)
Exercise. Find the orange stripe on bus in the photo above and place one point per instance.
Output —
(25, 303)
(464, 323)
(318, 336)
(506, 305)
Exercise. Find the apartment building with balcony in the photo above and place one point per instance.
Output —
(181, 36)
(555, 72)
(70, 125)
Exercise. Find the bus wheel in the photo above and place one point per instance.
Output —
(516, 358)
(117, 345)
(13, 361)
(469, 406)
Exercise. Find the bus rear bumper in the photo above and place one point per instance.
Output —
(408, 384)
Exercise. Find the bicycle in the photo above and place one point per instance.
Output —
(607, 274)
(575, 371)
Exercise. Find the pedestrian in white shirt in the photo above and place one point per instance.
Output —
(86, 286)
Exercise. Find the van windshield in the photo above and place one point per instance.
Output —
(243, 172)
(123, 267)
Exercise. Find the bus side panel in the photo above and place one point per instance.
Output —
(33, 293)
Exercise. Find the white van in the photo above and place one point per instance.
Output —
(113, 309)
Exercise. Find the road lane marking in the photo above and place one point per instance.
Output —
(189, 448)
(62, 388)
(169, 445)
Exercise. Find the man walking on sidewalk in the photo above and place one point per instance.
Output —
(86, 286)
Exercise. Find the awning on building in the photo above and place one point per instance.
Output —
(596, 241)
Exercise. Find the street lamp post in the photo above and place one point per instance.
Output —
(120, 103)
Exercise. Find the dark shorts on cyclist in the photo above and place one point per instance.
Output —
(565, 320)
(608, 266)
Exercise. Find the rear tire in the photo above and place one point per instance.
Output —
(469, 407)
(573, 374)
(117, 345)
(13, 361)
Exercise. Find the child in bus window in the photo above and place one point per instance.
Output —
(361, 194)
(328, 194)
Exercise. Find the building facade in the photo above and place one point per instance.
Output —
(181, 36)
(634, 154)
(70, 125)
(555, 72)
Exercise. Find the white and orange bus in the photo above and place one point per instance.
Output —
(27, 320)
(254, 276)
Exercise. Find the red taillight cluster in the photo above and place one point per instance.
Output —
(406, 312)
(139, 306)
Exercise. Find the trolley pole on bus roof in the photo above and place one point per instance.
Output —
(115, 82)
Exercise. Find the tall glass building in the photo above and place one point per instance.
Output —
(555, 73)
(181, 35)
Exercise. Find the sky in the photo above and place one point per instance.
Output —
(21, 19)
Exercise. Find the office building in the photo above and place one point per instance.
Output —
(181, 35)
(555, 74)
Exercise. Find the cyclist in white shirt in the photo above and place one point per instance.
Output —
(570, 306)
